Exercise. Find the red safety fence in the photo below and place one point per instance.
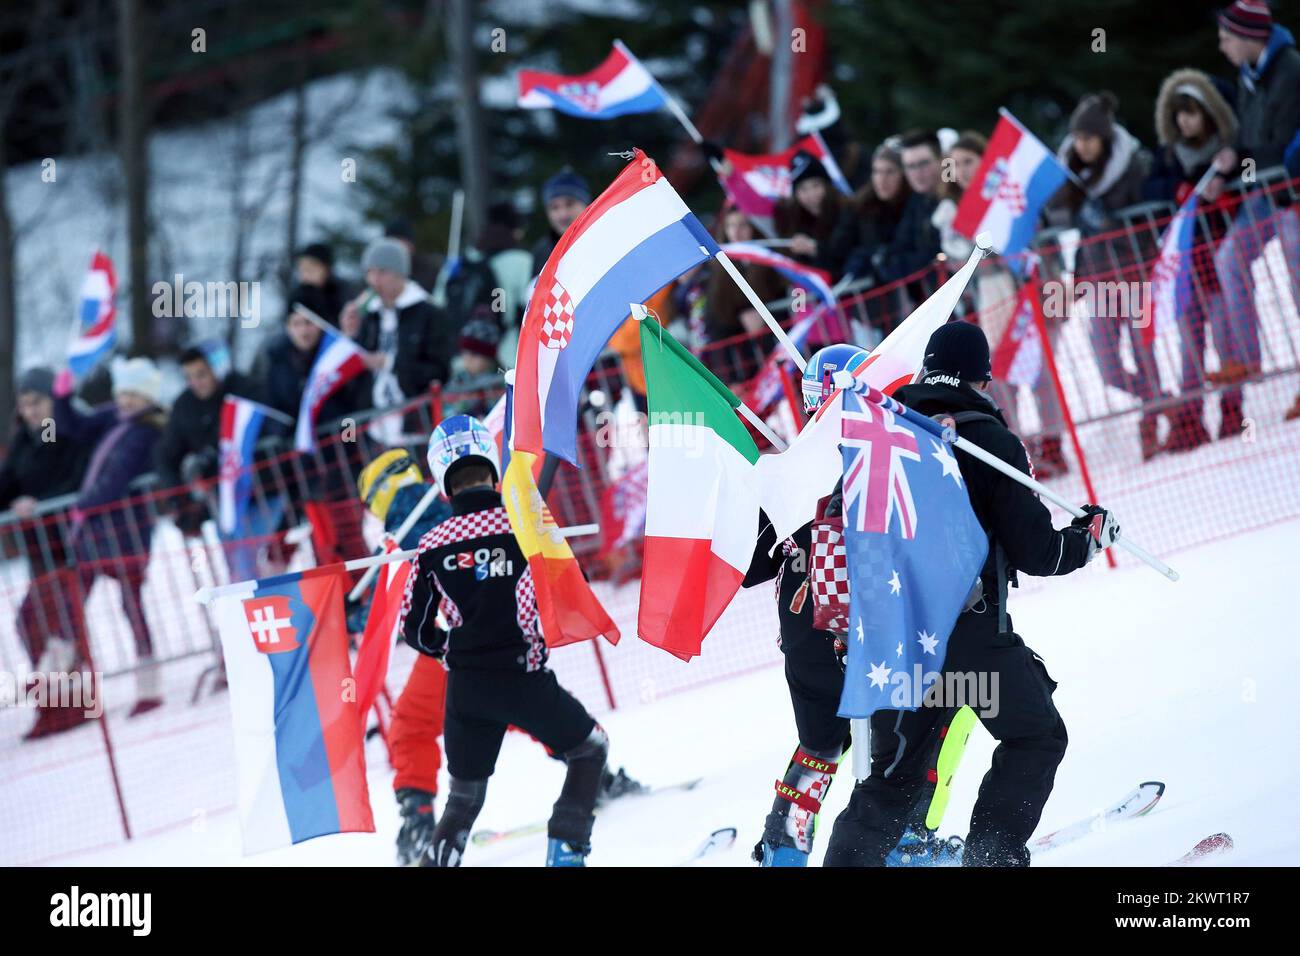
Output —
(1179, 424)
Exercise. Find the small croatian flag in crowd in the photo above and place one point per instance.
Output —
(755, 182)
(299, 747)
(338, 361)
(914, 549)
(1017, 357)
(95, 332)
(619, 86)
(816, 281)
(1171, 276)
(1016, 177)
(241, 425)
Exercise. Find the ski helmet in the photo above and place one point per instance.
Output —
(460, 439)
(817, 374)
(379, 481)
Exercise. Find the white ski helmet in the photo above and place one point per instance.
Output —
(458, 439)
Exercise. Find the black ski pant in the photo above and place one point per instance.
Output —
(1031, 742)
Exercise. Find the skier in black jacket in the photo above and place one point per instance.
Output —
(1030, 733)
(471, 571)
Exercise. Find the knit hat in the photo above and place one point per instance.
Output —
(480, 336)
(566, 183)
(806, 166)
(1249, 19)
(387, 253)
(958, 349)
(37, 379)
(138, 375)
(1095, 114)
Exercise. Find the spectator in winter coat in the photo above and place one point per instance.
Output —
(39, 467)
(109, 536)
(188, 447)
(1110, 166)
(916, 241)
(285, 366)
(809, 216)
(564, 196)
(871, 219)
(478, 381)
(1193, 125)
(1268, 108)
(314, 267)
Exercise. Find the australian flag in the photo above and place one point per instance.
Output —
(914, 549)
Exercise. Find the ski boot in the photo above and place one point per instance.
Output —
(418, 820)
(615, 785)
(562, 853)
(921, 847)
(778, 854)
(791, 825)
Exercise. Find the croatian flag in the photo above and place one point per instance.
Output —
(1017, 357)
(1171, 274)
(817, 281)
(241, 425)
(914, 549)
(634, 239)
(619, 86)
(756, 182)
(1016, 177)
(338, 361)
(299, 749)
(95, 331)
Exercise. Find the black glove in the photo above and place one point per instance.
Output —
(712, 151)
(1100, 526)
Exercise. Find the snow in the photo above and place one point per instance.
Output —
(1185, 683)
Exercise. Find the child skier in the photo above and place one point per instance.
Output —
(471, 569)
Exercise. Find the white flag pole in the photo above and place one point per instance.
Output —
(795, 355)
(842, 379)
(673, 106)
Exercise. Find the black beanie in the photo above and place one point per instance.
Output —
(806, 166)
(958, 349)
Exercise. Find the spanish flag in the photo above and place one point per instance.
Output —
(568, 610)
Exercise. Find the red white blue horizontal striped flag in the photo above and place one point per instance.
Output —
(619, 86)
(95, 332)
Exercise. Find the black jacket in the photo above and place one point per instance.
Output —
(194, 428)
(426, 340)
(1010, 513)
(471, 568)
(41, 470)
(283, 377)
(913, 245)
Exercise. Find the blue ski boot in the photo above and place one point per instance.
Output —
(772, 855)
(560, 853)
(921, 847)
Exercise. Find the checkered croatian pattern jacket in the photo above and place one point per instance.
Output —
(471, 573)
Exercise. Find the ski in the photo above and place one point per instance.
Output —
(1212, 846)
(492, 837)
(715, 842)
(1136, 803)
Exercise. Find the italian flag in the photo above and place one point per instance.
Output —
(701, 502)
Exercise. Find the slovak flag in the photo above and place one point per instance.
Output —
(619, 86)
(635, 238)
(756, 182)
(1017, 357)
(299, 747)
(338, 361)
(1016, 177)
(95, 331)
(241, 425)
(914, 548)
(1171, 274)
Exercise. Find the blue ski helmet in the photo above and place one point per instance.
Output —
(817, 374)
(457, 439)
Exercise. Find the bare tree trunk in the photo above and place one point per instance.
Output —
(469, 113)
(779, 79)
(133, 147)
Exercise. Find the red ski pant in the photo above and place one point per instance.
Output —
(416, 725)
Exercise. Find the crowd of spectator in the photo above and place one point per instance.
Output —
(424, 320)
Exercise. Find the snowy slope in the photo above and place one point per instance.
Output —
(1185, 683)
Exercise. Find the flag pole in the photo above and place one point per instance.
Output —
(641, 313)
(207, 595)
(315, 319)
(403, 529)
(795, 355)
(673, 106)
(843, 379)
